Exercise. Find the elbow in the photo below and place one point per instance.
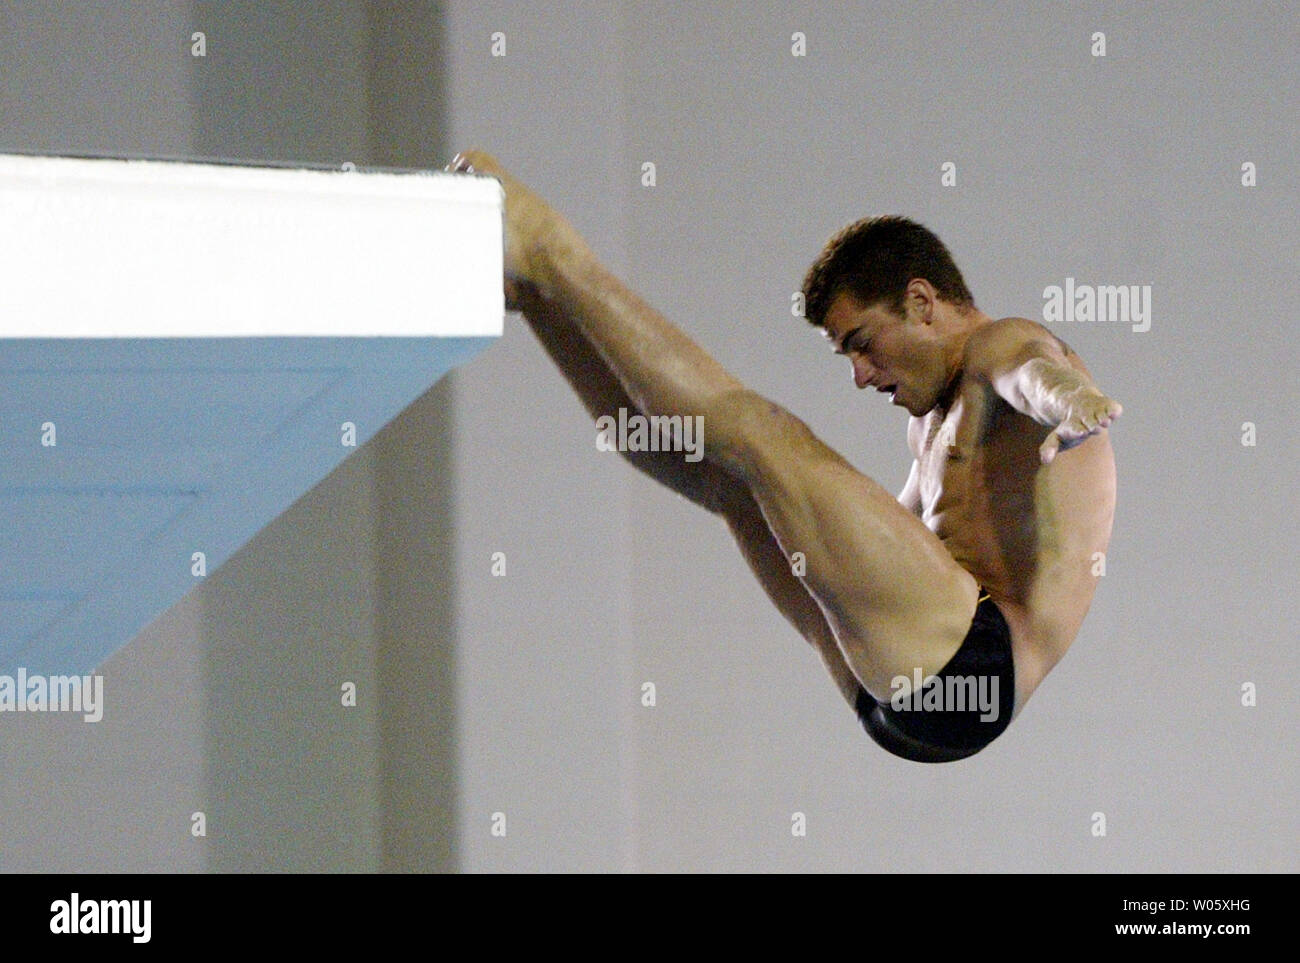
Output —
(1032, 389)
(1019, 387)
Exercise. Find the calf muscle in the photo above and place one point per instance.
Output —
(601, 393)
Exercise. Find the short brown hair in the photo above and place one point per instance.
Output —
(874, 259)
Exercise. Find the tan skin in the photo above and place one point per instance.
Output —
(986, 479)
(1012, 488)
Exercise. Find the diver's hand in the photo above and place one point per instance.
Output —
(1089, 413)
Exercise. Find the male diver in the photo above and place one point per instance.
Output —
(938, 612)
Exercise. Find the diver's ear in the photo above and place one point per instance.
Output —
(919, 300)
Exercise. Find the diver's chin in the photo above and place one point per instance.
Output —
(910, 408)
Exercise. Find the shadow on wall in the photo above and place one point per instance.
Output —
(355, 582)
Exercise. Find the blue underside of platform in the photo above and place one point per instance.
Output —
(166, 448)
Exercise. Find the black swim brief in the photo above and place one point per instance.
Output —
(945, 721)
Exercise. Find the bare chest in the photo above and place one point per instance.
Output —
(946, 443)
(977, 462)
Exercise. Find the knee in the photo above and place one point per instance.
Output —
(743, 432)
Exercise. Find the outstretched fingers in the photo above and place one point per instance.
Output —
(1083, 424)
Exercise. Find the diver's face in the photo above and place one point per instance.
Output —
(895, 354)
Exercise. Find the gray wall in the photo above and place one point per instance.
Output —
(1116, 170)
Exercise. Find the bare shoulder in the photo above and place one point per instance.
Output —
(1003, 344)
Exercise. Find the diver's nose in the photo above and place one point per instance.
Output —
(861, 372)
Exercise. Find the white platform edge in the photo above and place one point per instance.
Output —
(100, 248)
